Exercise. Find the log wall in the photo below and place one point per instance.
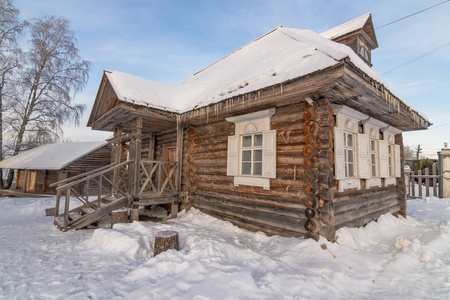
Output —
(357, 208)
(280, 210)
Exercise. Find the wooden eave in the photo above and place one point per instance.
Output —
(280, 94)
(123, 114)
(105, 100)
(341, 84)
(359, 91)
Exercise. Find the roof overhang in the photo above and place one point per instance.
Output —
(362, 93)
(123, 114)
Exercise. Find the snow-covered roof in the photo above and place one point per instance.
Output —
(281, 55)
(50, 157)
(350, 26)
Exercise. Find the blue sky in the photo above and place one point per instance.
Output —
(169, 40)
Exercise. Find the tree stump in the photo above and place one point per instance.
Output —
(119, 216)
(165, 240)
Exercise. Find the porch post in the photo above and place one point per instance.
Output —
(115, 155)
(179, 155)
(135, 157)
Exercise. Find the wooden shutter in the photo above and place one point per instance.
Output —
(397, 161)
(269, 164)
(384, 159)
(233, 156)
(339, 157)
(363, 156)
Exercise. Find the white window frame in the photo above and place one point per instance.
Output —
(393, 156)
(348, 121)
(252, 124)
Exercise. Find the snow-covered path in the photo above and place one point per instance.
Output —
(399, 258)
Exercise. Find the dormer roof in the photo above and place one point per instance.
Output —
(362, 26)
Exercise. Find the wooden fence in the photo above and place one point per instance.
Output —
(422, 183)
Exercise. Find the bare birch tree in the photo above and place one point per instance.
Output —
(10, 60)
(53, 73)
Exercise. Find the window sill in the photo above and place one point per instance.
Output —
(252, 181)
(346, 184)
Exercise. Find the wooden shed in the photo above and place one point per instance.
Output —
(293, 134)
(40, 167)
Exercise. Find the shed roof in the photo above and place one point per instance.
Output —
(280, 55)
(50, 157)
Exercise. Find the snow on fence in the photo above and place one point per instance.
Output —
(422, 182)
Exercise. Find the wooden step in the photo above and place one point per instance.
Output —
(98, 214)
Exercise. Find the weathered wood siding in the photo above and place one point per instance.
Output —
(357, 208)
(280, 210)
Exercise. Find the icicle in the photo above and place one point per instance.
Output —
(281, 86)
(259, 96)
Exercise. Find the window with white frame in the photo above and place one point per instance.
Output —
(251, 154)
(251, 158)
(349, 155)
(391, 160)
(360, 154)
(373, 158)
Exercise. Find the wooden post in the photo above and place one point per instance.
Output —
(135, 157)
(151, 147)
(116, 153)
(179, 155)
(427, 183)
(413, 184)
(165, 240)
(419, 183)
(174, 210)
(137, 170)
(66, 209)
(62, 176)
(134, 214)
(434, 172)
(119, 216)
(25, 182)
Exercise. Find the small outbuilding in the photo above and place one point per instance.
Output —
(38, 168)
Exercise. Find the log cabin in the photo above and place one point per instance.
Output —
(39, 168)
(292, 134)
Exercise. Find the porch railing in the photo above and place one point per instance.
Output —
(102, 180)
(158, 176)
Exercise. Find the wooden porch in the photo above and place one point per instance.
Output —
(133, 178)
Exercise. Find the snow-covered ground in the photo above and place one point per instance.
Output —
(393, 258)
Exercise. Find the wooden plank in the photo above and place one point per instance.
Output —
(99, 213)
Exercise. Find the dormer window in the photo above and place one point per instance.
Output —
(364, 53)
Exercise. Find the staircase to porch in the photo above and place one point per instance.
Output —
(92, 196)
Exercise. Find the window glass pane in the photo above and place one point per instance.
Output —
(247, 155)
(374, 171)
(390, 149)
(350, 140)
(350, 156)
(247, 141)
(258, 140)
(246, 168)
(257, 168)
(350, 170)
(372, 145)
(257, 155)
